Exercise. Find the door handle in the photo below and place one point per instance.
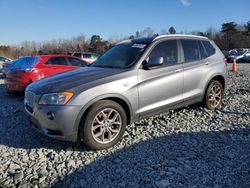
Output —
(177, 70)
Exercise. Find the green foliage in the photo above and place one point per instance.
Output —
(172, 30)
(131, 37)
(229, 27)
(247, 27)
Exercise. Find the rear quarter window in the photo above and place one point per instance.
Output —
(209, 48)
(86, 56)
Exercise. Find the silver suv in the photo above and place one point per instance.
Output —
(132, 80)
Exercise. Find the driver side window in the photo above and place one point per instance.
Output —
(167, 50)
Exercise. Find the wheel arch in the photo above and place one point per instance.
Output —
(217, 77)
(122, 101)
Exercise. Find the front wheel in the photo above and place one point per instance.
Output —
(214, 95)
(104, 125)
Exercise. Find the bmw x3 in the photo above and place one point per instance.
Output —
(132, 80)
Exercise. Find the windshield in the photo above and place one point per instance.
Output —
(240, 53)
(121, 56)
(233, 53)
(24, 63)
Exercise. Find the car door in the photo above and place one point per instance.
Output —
(56, 65)
(195, 66)
(161, 87)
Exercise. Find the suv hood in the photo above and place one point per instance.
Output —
(67, 80)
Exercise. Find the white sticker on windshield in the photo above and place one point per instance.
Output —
(138, 46)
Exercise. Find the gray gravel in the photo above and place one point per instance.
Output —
(189, 147)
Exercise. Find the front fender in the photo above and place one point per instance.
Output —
(105, 96)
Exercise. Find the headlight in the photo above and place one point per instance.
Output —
(56, 98)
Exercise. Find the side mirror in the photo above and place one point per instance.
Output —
(153, 62)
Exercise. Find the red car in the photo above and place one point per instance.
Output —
(26, 70)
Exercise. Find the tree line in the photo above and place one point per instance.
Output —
(231, 35)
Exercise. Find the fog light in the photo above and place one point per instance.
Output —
(50, 115)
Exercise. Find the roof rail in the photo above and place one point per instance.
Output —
(179, 35)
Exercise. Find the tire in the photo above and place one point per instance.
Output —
(214, 95)
(104, 125)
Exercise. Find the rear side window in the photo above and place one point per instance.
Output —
(191, 50)
(209, 47)
(57, 61)
(94, 56)
(167, 50)
(202, 50)
(77, 54)
(86, 55)
(25, 63)
(75, 62)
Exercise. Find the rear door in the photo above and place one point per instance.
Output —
(56, 65)
(161, 87)
(195, 66)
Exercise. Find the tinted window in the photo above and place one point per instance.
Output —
(2, 59)
(209, 48)
(95, 56)
(25, 63)
(202, 50)
(76, 62)
(191, 50)
(57, 61)
(78, 54)
(86, 55)
(167, 50)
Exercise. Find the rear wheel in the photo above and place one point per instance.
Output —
(214, 95)
(104, 125)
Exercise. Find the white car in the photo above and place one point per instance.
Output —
(3, 60)
(89, 57)
(246, 58)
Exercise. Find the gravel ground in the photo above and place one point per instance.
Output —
(190, 147)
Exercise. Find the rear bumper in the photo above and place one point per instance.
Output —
(54, 121)
(15, 85)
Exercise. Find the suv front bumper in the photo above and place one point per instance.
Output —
(54, 121)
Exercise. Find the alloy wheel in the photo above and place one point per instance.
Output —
(215, 95)
(106, 125)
